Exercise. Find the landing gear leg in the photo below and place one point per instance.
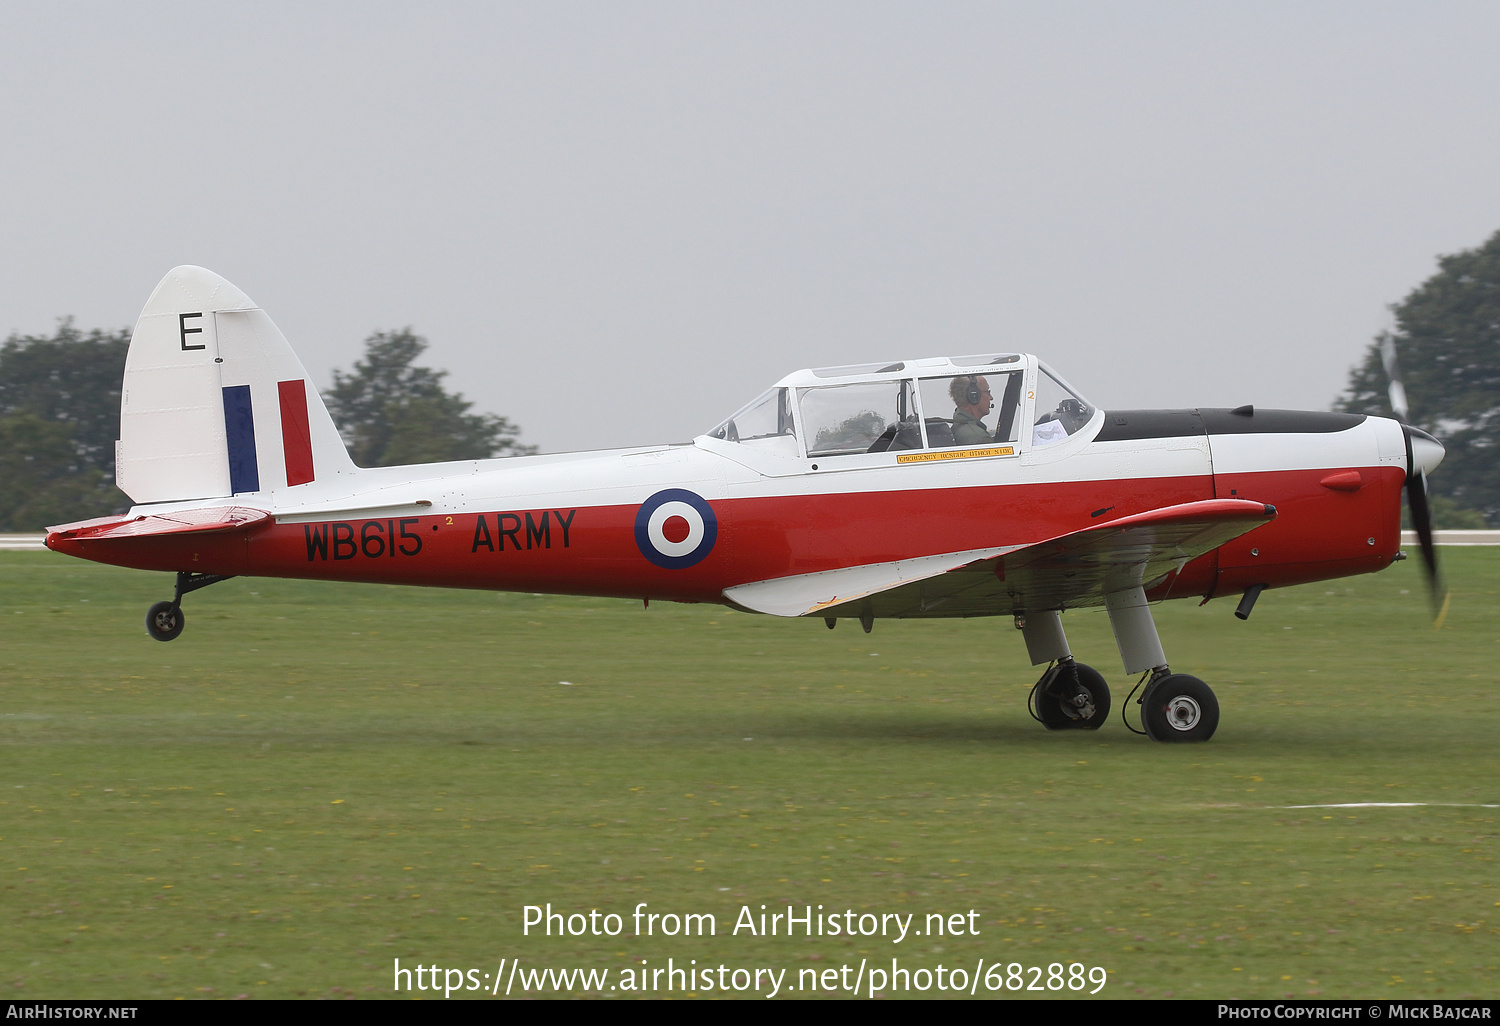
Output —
(165, 620)
(1174, 706)
(1070, 695)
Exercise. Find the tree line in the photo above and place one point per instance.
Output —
(1447, 339)
(60, 416)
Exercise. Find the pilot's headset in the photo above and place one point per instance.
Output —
(972, 393)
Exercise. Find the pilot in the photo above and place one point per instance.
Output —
(972, 403)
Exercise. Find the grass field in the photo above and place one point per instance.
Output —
(317, 779)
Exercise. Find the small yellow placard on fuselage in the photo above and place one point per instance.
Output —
(955, 454)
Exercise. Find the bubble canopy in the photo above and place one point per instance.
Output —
(1008, 400)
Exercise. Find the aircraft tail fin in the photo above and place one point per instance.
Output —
(215, 403)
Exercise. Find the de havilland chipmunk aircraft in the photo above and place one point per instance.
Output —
(968, 485)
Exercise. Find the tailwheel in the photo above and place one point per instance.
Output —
(1179, 707)
(164, 621)
(1071, 696)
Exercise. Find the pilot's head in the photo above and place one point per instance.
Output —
(971, 393)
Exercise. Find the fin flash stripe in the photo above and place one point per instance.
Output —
(296, 439)
(239, 432)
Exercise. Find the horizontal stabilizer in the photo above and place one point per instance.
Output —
(185, 521)
(1071, 570)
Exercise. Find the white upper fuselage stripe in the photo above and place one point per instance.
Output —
(1376, 442)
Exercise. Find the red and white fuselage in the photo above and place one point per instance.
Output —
(941, 487)
(568, 523)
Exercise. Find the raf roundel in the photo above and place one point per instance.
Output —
(676, 528)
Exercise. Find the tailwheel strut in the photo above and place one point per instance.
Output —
(165, 620)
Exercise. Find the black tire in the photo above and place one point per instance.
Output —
(163, 622)
(1056, 715)
(1180, 708)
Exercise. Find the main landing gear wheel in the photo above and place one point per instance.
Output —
(1064, 702)
(164, 621)
(1179, 707)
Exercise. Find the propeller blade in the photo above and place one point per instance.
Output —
(1395, 389)
(1417, 465)
(1421, 520)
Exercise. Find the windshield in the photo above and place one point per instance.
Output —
(1059, 411)
(768, 416)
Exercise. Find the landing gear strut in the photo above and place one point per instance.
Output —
(165, 620)
(1070, 695)
(1174, 706)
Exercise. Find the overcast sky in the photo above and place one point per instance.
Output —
(617, 222)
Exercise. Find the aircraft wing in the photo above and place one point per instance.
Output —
(183, 521)
(1068, 571)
